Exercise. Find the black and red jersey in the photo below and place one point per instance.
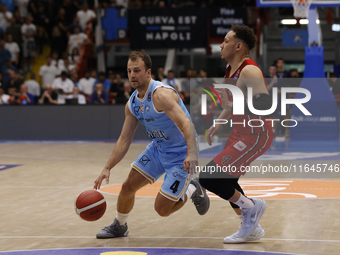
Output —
(256, 125)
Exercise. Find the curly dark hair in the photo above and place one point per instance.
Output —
(245, 34)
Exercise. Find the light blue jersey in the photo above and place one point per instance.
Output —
(166, 135)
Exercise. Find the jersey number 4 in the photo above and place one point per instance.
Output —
(174, 186)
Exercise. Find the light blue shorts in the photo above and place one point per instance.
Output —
(152, 164)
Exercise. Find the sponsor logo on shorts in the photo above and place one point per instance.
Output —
(144, 160)
(240, 146)
(175, 174)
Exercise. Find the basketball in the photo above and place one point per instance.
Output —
(90, 205)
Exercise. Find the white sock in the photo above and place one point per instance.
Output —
(122, 217)
(244, 202)
(191, 189)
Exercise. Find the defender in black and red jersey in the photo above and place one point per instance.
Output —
(248, 140)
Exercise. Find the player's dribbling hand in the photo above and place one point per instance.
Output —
(211, 132)
(105, 174)
(190, 164)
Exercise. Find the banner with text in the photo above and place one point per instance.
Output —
(221, 20)
(167, 28)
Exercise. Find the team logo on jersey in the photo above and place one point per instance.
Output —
(147, 107)
(144, 160)
(136, 110)
(149, 97)
(142, 108)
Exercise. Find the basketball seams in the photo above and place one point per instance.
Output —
(90, 205)
(79, 211)
(90, 193)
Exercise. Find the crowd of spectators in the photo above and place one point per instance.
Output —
(26, 26)
(176, 3)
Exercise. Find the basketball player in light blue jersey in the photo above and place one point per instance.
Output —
(159, 108)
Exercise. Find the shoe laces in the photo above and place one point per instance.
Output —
(114, 226)
(245, 219)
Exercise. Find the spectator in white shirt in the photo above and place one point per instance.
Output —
(76, 40)
(79, 98)
(63, 86)
(33, 86)
(86, 84)
(23, 6)
(59, 63)
(5, 17)
(85, 16)
(3, 97)
(28, 31)
(13, 48)
(47, 73)
(73, 59)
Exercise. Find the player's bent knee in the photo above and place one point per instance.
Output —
(162, 211)
(127, 189)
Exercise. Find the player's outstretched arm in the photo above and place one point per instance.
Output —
(166, 100)
(121, 147)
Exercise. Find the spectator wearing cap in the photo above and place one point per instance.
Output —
(63, 86)
(104, 81)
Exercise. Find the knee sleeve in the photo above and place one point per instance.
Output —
(222, 186)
